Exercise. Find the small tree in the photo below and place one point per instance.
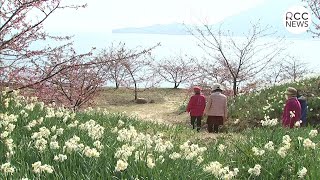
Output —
(140, 72)
(212, 72)
(294, 69)
(114, 70)
(314, 6)
(177, 70)
(244, 58)
(138, 68)
(77, 86)
(274, 74)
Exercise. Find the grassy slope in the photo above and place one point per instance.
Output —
(252, 108)
(249, 108)
(238, 151)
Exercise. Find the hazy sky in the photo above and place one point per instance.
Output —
(105, 15)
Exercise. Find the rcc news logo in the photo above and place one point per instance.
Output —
(297, 19)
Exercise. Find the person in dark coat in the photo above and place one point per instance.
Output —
(304, 108)
(196, 106)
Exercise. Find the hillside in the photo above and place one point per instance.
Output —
(252, 108)
(48, 142)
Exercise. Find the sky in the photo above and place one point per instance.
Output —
(105, 15)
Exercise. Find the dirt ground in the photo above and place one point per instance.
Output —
(164, 110)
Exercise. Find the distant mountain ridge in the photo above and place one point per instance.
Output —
(172, 29)
(268, 13)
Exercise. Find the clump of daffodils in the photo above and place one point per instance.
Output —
(190, 151)
(150, 161)
(95, 131)
(126, 135)
(10, 147)
(302, 172)
(221, 148)
(6, 119)
(219, 171)
(269, 122)
(298, 123)
(60, 157)
(307, 143)
(257, 151)
(73, 145)
(121, 165)
(98, 145)
(174, 156)
(313, 133)
(39, 168)
(6, 168)
(286, 142)
(40, 139)
(269, 146)
(255, 171)
(50, 112)
(34, 123)
(161, 145)
(124, 152)
(73, 124)
(91, 152)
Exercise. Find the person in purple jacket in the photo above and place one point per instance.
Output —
(292, 109)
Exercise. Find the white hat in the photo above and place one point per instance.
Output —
(216, 86)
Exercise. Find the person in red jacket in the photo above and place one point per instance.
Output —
(196, 106)
(292, 109)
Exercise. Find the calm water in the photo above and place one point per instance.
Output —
(172, 45)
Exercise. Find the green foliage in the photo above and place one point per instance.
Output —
(237, 151)
(251, 108)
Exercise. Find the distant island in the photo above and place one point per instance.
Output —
(269, 13)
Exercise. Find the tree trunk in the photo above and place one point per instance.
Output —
(176, 85)
(117, 85)
(135, 90)
(234, 87)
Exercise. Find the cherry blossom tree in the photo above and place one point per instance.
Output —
(212, 72)
(22, 25)
(22, 33)
(140, 72)
(114, 70)
(177, 70)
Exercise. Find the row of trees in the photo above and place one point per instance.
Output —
(62, 75)
(54, 72)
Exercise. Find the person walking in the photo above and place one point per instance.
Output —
(216, 109)
(292, 109)
(196, 107)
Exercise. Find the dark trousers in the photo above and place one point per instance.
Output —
(198, 119)
(213, 123)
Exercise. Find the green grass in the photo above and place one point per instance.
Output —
(251, 108)
(237, 154)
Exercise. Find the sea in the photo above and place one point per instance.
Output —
(306, 50)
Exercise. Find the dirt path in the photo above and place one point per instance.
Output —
(165, 112)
